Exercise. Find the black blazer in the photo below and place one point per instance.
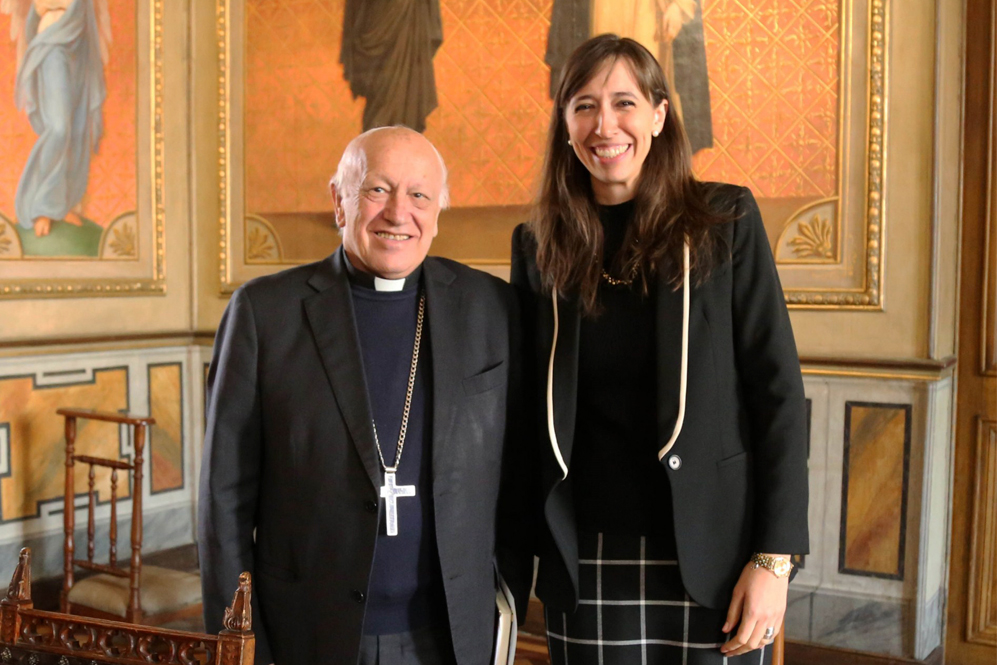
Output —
(739, 473)
(289, 452)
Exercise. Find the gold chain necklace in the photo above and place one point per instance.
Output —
(391, 491)
(616, 281)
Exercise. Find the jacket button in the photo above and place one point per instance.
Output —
(358, 595)
(674, 462)
(370, 506)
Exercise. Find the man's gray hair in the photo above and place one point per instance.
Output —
(353, 167)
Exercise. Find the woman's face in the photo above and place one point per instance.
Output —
(611, 125)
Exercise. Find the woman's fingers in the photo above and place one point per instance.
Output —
(758, 603)
(734, 610)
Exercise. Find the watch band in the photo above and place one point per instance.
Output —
(779, 566)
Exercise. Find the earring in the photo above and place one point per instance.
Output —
(569, 142)
(655, 132)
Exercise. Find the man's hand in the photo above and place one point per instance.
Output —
(758, 603)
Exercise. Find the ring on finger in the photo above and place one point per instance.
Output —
(769, 633)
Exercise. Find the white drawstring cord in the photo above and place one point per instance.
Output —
(550, 394)
(684, 372)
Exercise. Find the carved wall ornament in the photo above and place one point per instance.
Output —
(262, 241)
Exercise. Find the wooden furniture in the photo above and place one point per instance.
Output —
(36, 637)
(118, 591)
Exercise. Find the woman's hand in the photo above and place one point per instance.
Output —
(758, 603)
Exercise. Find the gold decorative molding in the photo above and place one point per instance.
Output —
(223, 35)
(154, 283)
(981, 610)
(988, 312)
(870, 297)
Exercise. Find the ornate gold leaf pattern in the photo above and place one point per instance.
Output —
(5, 242)
(124, 241)
(815, 239)
(774, 76)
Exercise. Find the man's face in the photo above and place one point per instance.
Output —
(389, 226)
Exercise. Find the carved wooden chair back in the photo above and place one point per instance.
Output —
(36, 637)
(118, 588)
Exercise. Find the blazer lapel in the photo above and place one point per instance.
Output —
(668, 320)
(330, 315)
(443, 312)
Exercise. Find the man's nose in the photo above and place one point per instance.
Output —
(396, 207)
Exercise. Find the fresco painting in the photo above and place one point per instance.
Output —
(67, 113)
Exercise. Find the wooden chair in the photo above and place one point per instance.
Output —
(35, 637)
(131, 592)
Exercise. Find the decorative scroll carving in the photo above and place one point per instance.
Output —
(20, 583)
(239, 617)
(46, 638)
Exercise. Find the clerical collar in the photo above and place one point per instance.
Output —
(366, 280)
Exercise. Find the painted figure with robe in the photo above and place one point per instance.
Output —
(387, 57)
(672, 30)
(62, 49)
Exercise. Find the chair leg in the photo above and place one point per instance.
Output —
(779, 647)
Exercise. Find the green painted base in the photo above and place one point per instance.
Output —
(64, 240)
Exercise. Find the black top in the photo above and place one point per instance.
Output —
(619, 485)
(406, 586)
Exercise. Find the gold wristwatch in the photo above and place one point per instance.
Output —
(780, 566)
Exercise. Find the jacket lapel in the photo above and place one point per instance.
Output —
(443, 312)
(668, 320)
(330, 315)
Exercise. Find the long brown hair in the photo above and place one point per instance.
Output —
(671, 206)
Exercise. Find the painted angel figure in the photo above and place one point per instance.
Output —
(62, 47)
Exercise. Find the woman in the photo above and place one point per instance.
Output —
(674, 479)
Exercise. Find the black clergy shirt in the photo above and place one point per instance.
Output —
(406, 586)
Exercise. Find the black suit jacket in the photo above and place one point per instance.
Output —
(741, 482)
(289, 453)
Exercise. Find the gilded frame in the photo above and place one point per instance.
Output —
(146, 275)
(847, 277)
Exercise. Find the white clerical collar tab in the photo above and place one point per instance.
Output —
(381, 284)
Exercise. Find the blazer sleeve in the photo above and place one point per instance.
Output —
(516, 525)
(230, 469)
(771, 388)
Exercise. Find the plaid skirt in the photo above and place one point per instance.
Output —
(633, 610)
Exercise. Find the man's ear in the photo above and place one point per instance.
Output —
(337, 202)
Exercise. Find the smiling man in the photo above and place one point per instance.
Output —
(361, 428)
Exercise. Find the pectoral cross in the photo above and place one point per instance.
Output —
(390, 493)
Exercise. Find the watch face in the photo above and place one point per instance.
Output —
(782, 567)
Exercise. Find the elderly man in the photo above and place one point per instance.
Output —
(361, 416)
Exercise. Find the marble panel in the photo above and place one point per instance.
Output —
(858, 622)
(28, 403)
(874, 490)
(166, 448)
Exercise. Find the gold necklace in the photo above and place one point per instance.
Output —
(616, 281)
